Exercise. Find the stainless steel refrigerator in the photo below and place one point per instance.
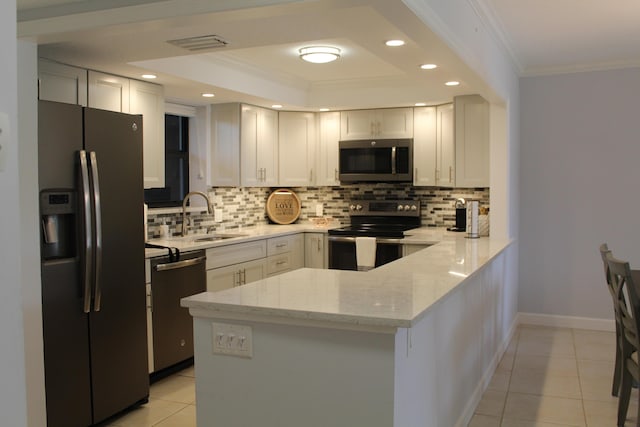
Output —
(92, 252)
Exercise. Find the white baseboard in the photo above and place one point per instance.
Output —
(566, 321)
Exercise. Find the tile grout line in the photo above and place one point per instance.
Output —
(575, 350)
(513, 362)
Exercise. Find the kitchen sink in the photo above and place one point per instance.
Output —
(215, 237)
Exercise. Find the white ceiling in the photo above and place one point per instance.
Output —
(554, 36)
(260, 64)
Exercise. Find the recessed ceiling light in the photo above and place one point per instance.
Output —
(276, 106)
(452, 83)
(319, 54)
(208, 95)
(394, 43)
(149, 76)
(421, 104)
(428, 66)
(324, 109)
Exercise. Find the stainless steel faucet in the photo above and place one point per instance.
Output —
(184, 208)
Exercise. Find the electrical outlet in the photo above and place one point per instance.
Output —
(319, 209)
(232, 340)
(217, 215)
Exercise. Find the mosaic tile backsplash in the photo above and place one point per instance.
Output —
(245, 206)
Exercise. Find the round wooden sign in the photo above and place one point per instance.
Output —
(283, 206)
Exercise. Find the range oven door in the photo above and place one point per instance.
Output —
(379, 160)
(342, 252)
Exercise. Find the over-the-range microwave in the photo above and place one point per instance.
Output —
(381, 160)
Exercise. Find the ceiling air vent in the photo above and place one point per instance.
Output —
(199, 43)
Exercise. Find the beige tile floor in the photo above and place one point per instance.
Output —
(554, 377)
(548, 377)
(172, 403)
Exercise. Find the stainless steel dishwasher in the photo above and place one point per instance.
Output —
(172, 278)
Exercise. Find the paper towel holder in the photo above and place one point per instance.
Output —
(473, 231)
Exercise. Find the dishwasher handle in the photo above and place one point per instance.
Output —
(180, 264)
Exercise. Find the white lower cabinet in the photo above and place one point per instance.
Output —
(285, 253)
(242, 263)
(315, 250)
(230, 276)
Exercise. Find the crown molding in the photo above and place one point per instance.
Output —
(487, 15)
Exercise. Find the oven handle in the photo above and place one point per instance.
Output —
(381, 241)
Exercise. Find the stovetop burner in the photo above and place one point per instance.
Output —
(380, 218)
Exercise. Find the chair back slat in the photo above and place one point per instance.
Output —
(627, 299)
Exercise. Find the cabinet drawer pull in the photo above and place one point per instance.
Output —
(281, 245)
(281, 262)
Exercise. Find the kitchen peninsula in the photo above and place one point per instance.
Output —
(411, 343)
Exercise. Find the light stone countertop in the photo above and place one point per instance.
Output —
(394, 295)
(246, 234)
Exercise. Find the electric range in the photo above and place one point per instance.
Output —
(386, 220)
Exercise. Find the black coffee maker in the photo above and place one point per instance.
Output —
(461, 216)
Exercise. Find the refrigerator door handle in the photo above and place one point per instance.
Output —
(88, 229)
(98, 231)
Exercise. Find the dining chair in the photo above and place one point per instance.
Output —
(628, 307)
(605, 253)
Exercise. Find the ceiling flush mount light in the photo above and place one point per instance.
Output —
(319, 54)
(452, 83)
(428, 66)
(324, 109)
(394, 43)
(149, 76)
(208, 95)
(276, 106)
(421, 104)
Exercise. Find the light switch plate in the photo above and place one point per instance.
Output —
(5, 133)
(232, 340)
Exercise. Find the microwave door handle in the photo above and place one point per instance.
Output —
(98, 222)
(393, 160)
(88, 229)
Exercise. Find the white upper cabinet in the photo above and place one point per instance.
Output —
(328, 152)
(424, 146)
(225, 145)
(108, 92)
(62, 83)
(472, 141)
(383, 123)
(297, 148)
(445, 146)
(148, 99)
(451, 144)
(258, 147)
